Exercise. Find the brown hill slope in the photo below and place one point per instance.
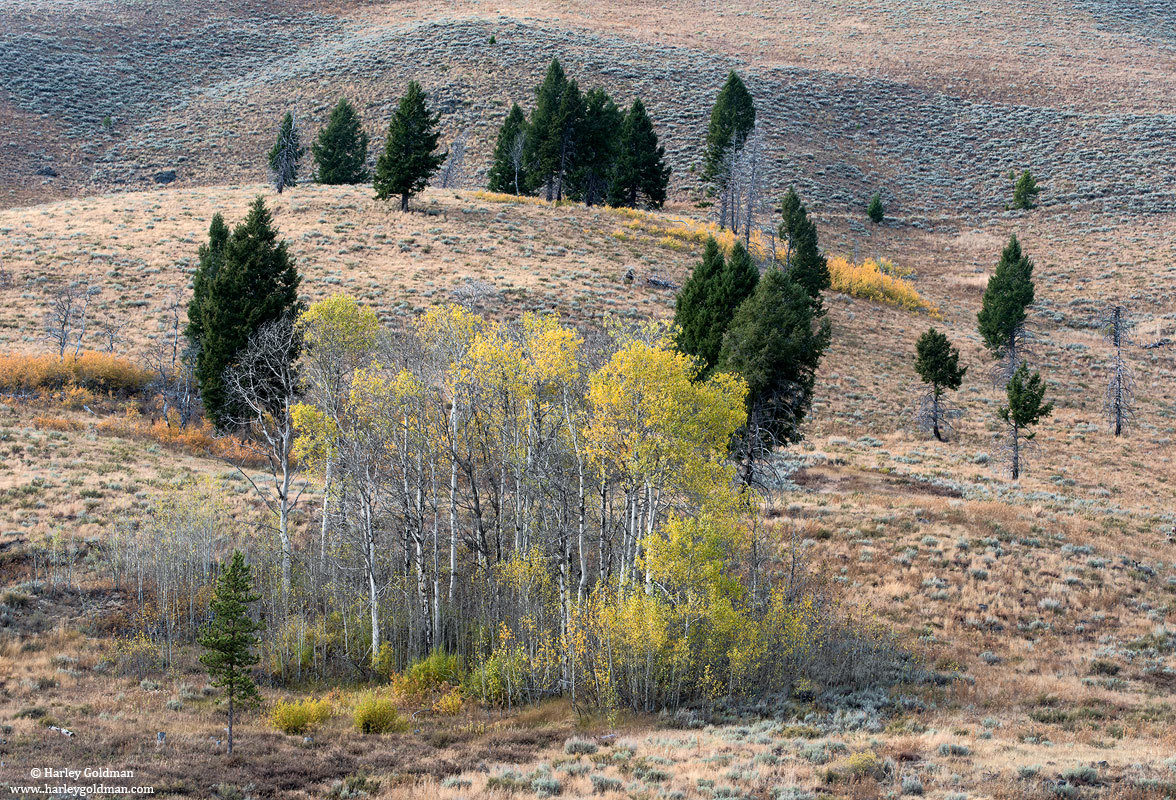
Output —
(931, 102)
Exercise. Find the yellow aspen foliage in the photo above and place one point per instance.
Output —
(879, 281)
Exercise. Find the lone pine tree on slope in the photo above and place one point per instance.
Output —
(938, 364)
(1024, 409)
(229, 639)
(409, 158)
(1004, 307)
(731, 121)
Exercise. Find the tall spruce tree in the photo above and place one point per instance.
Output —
(507, 174)
(340, 151)
(230, 637)
(696, 312)
(1025, 408)
(806, 263)
(555, 123)
(211, 256)
(731, 120)
(597, 148)
(409, 158)
(285, 154)
(775, 341)
(253, 283)
(641, 172)
(938, 364)
(737, 282)
(1003, 308)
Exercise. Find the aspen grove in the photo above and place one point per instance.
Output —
(557, 514)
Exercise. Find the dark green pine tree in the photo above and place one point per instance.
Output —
(695, 313)
(596, 148)
(731, 120)
(285, 154)
(551, 140)
(340, 151)
(409, 158)
(229, 639)
(255, 283)
(569, 123)
(737, 282)
(641, 172)
(775, 342)
(875, 210)
(1025, 191)
(211, 256)
(1025, 408)
(1003, 309)
(508, 172)
(802, 252)
(938, 364)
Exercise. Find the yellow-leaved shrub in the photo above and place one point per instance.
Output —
(299, 716)
(874, 280)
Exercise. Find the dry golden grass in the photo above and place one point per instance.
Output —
(1029, 590)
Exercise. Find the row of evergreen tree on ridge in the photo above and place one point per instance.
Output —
(575, 145)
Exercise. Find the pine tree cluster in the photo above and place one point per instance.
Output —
(580, 146)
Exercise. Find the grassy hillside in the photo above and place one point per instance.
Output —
(1049, 599)
(1042, 609)
(930, 103)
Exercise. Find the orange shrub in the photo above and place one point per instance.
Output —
(97, 372)
(198, 438)
(56, 423)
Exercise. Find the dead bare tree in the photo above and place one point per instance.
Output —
(264, 384)
(453, 171)
(746, 185)
(726, 180)
(110, 333)
(283, 159)
(61, 317)
(1120, 395)
(518, 149)
(1015, 353)
(171, 359)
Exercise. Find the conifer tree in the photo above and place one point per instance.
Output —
(1025, 408)
(409, 158)
(1025, 191)
(641, 172)
(597, 148)
(737, 281)
(229, 639)
(775, 342)
(1003, 308)
(731, 120)
(806, 263)
(938, 364)
(340, 151)
(551, 139)
(211, 255)
(695, 309)
(506, 173)
(285, 154)
(876, 211)
(255, 282)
